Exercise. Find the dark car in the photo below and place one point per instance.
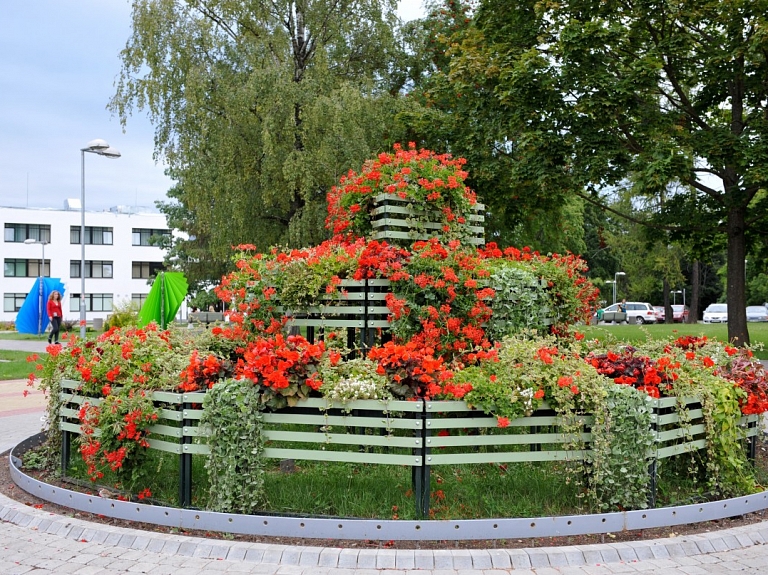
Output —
(679, 313)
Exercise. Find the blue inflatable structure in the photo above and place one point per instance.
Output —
(33, 317)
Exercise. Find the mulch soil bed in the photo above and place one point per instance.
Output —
(11, 490)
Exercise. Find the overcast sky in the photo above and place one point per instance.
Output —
(58, 64)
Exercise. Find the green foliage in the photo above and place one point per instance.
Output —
(592, 100)
(622, 442)
(352, 379)
(232, 413)
(124, 314)
(259, 108)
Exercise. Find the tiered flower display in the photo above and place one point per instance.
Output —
(493, 327)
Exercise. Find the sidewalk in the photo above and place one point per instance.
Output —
(37, 541)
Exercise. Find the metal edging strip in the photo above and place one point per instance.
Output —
(472, 529)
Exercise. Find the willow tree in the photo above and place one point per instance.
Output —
(259, 106)
(653, 95)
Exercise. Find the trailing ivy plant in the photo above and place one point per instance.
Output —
(622, 442)
(232, 415)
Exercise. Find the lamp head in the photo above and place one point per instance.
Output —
(95, 145)
(109, 153)
(30, 241)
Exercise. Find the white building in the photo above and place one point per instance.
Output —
(118, 256)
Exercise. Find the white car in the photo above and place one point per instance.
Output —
(757, 313)
(716, 313)
(636, 312)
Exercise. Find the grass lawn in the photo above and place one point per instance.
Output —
(758, 333)
(15, 335)
(14, 364)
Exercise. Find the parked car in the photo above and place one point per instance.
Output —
(757, 313)
(637, 312)
(680, 313)
(716, 313)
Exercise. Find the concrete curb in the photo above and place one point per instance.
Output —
(76, 529)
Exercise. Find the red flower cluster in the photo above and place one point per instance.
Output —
(641, 372)
(415, 368)
(750, 376)
(203, 373)
(279, 363)
(436, 180)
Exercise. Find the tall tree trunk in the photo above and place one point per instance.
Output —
(736, 299)
(693, 316)
(668, 314)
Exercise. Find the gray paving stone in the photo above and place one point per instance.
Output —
(423, 559)
(499, 559)
(462, 559)
(405, 559)
(310, 556)
(254, 555)
(443, 559)
(520, 559)
(366, 559)
(348, 558)
(328, 557)
(385, 559)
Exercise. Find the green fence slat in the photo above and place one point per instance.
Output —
(503, 440)
(69, 412)
(193, 397)
(392, 406)
(341, 421)
(165, 430)
(677, 433)
(343, 456)
(503, 457)
(192, 414)
(195, 431)
(166, 446)
(687, 447)
(670, 418)
(343, 439)
(196, 449)
(167, 397)
(324, 322)
(67, 426)
(170, 414)
(490, 422)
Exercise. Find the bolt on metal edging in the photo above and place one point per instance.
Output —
(322, 528)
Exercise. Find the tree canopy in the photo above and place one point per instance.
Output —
(259, 107)
(668, 99)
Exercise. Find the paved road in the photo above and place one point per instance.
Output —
(38, 542)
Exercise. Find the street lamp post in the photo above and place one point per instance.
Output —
(615, 280)
(674, 296)
(43, 243)
(101, 148)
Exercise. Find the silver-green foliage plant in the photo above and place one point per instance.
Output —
(235, 466)
(622, 441)
(520, 301)
(352, 380)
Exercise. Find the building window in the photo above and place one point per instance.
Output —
(139, 298)
(19, 232)
(94, 236)
(93, 269)
(141, 236)
(14, 268)
(145, 270)
(93, 302)
(12, 302)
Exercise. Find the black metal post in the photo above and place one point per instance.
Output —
(185, 462)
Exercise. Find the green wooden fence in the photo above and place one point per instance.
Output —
(419, 434)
